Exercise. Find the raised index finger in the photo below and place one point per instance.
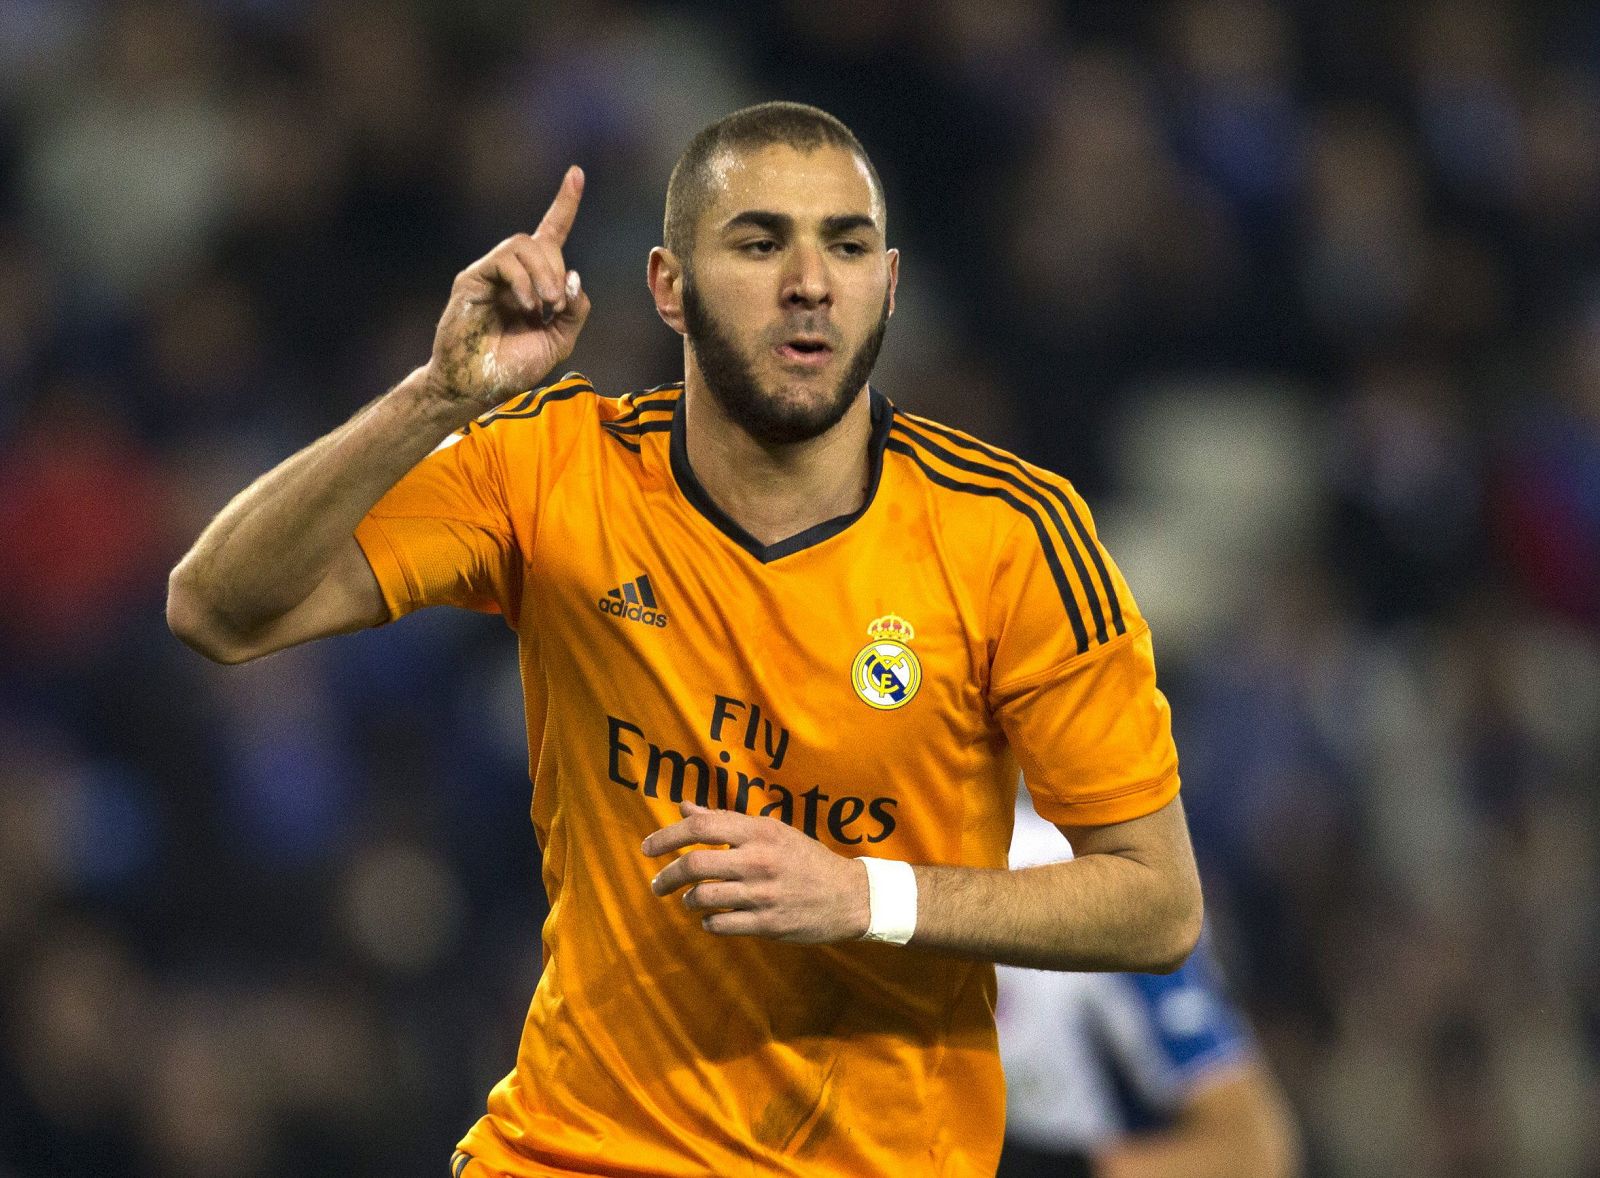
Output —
(563, 211)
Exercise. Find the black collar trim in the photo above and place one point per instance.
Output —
(882, 419)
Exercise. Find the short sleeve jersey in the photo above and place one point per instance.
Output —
(874, 681)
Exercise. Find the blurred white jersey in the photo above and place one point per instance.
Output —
(1091, 1057)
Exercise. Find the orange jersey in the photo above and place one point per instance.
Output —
(876, 681)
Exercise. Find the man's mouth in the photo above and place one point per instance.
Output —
(808, 351)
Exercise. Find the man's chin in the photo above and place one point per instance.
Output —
(790, 416)
(804, 398)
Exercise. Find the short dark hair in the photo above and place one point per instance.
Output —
(793, 124)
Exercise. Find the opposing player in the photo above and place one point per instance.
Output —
(783, 648)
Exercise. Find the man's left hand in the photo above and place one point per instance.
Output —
(758, 877)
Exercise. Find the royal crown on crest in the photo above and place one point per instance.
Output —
(891, 627)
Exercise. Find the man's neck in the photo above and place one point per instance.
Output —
(774, 492)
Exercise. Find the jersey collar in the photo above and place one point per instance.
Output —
(882, 418)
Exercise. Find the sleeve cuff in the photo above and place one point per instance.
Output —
(1121, 806)
(393, 583)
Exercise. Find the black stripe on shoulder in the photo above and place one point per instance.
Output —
(629, 435)
(626, 433)
(623, 426)
(545, 398)
(1074, 615)
(660, 404)
(995, 454)
(1031, 492)
(624, 442)
(519, 403)
(526, 401)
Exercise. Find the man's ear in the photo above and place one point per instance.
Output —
(665, 277)
(894, 276)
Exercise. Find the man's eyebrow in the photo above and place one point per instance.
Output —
(775, 223)
(845, 222)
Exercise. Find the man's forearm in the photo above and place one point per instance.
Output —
(1097, 912)
(271, 545)
(1129, 901)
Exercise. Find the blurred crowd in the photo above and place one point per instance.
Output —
(1304, 296)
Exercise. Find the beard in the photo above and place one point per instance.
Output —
(767, 416)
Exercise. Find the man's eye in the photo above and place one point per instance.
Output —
(763, 247)
(851, 249)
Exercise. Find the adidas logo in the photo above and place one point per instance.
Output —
(634, 600)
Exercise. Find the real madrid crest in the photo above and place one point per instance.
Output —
(886, 674)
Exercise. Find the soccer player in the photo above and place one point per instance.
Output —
(784, 648)
(1121, 1075)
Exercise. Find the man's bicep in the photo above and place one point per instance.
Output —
(1169, 896)
(346, 599)
(1160, 837)
(445, 535)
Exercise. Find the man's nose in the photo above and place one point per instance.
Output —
(807, 282)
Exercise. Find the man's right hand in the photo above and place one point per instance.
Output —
(514, 314)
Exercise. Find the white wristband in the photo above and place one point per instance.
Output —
(891, 900)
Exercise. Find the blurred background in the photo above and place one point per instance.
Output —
(1304, 296)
